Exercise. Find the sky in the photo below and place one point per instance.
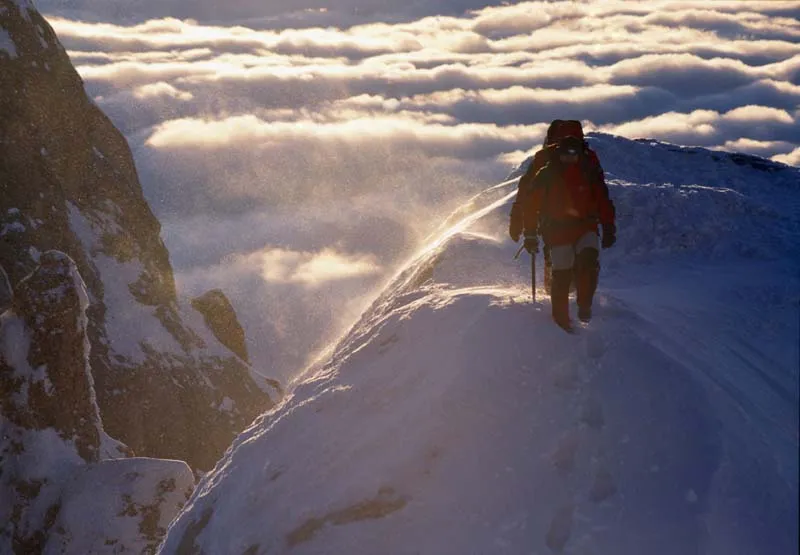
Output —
(297, 152)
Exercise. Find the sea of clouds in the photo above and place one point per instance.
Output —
(296, 152)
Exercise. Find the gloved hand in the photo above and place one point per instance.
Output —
(609, 236)
(531, 243)
(515, 223)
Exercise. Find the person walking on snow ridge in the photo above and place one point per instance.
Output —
(558, 129)
(564, 201)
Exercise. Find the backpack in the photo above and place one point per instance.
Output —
(563, 128)
(559, 129)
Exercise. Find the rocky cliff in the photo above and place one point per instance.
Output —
(102, 366)
(165, 385)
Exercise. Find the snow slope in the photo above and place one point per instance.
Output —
(454, 417)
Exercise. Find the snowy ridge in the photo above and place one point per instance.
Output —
(701, 202)
(455, 418)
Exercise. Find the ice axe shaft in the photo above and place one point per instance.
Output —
(516, 256)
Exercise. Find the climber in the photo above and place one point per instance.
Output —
(564, 201)
(557, 130)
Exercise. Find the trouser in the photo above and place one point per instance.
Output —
(548, 270)
(580, 259)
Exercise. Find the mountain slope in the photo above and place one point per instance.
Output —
(95, 346)
(456, 418)
(165, 384)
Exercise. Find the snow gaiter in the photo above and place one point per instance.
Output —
(587, 270)
(559, 296)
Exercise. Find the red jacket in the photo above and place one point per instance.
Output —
(562, 203)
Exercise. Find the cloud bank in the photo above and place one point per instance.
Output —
(299, 140)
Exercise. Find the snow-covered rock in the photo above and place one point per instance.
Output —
(65, 484)
(165, 385)
(7, 46)
(119, 506)
(454, 417)
(50, 381)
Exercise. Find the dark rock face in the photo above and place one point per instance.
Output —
(68, 183)
(221, 319)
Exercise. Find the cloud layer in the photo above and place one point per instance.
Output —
(608, 63)
(330, 141)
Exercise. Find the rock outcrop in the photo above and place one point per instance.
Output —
(220, 317)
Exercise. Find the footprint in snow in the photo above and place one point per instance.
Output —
(603, 486)
(563, 458)
(592, 414)
(595, 346)
(566, 377)
(560, 529)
